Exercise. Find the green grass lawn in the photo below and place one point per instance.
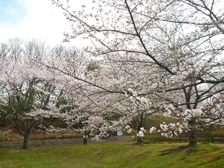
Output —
(112, 155)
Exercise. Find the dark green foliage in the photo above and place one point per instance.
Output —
(156, 120)
(112, 117)
(93, 66)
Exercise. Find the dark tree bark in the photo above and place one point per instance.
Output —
(26, 133)
(192, 139)
(192, 136)
(26, 139)
(139, 126)
(85, 137)
(139, 140)
(84, 141)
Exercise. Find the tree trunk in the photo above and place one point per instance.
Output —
(85, 137)
(139, 140)
(26, 137)
(192, 136)
(192, 139)
(26, 140)
(84, 141)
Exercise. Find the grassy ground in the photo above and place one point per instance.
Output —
(113, 155)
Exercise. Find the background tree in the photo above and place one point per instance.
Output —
(28, 94)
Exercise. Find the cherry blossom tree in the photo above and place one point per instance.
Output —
(163, 54)
(28, 93)
(202, 69)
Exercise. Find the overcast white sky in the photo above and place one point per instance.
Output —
(39, 19)
(29, 19)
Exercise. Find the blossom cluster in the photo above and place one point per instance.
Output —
(141, 132)
(128, 129)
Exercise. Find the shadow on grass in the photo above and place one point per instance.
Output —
(188, 150)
